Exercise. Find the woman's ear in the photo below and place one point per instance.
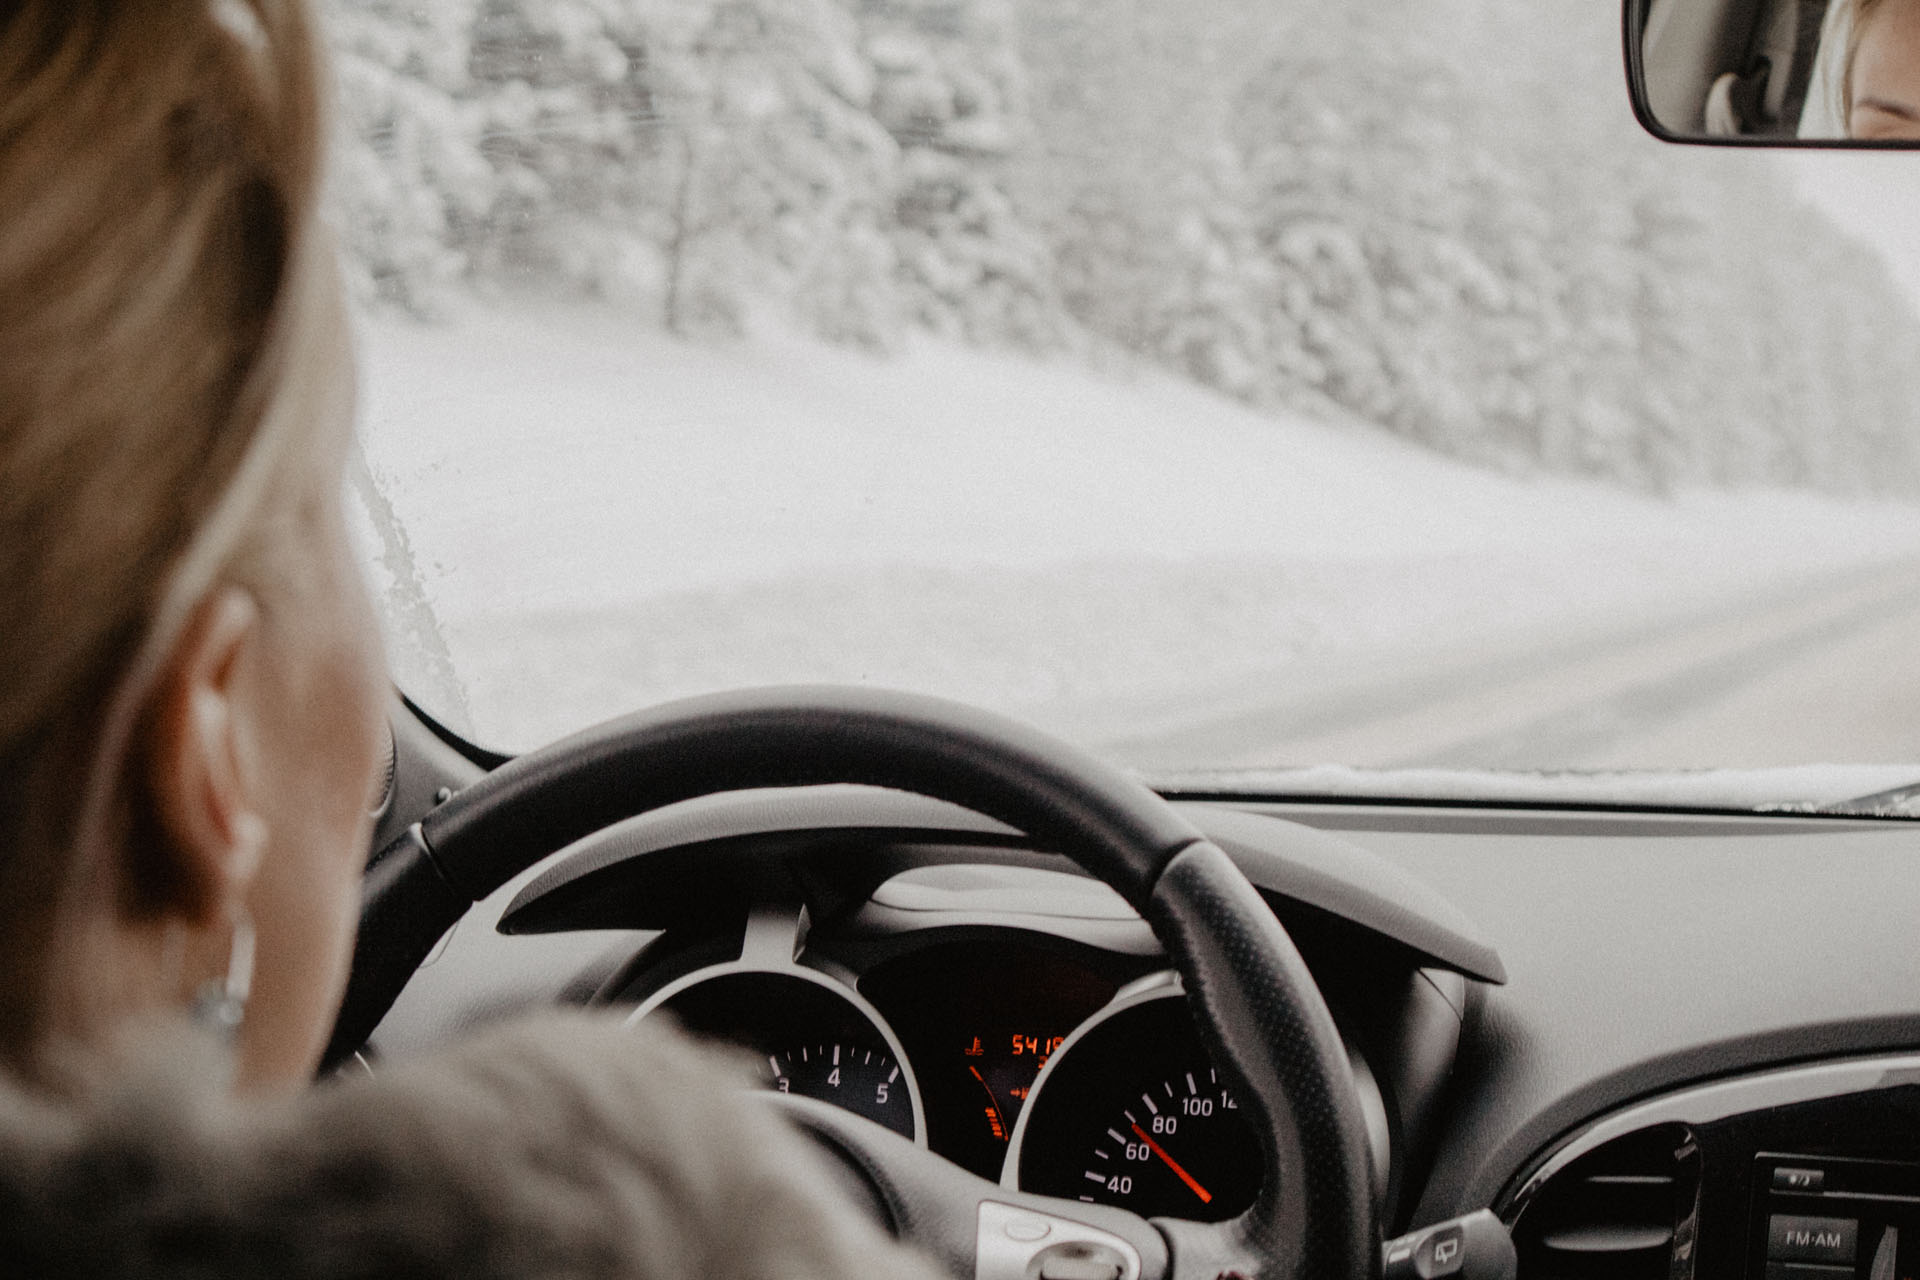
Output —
(202, 765)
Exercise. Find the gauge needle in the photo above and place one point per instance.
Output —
(1206, 1197)
(997, 1121)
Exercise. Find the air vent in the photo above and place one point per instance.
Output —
(1615, 1212)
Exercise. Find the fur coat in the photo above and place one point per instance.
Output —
(562, 1146)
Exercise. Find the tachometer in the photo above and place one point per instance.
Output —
(864, 1080)
(1131, 1113)
(810, 1035)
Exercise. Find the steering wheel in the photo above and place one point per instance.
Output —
(1257, 1007)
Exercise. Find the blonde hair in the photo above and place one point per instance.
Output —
(159, 161)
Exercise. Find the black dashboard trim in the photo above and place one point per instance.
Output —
(634, 873)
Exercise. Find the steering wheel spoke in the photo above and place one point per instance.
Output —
(975, 1227)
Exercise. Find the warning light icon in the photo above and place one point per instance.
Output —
(975, 1050)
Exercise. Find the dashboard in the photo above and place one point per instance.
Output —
(1626, 1032)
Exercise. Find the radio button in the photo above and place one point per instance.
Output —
(1793, 1237)
(1806, 1271)
(1789, 1178)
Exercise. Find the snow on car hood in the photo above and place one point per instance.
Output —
(1829, 788)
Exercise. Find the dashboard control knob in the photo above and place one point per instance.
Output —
(1788, 1178)
(1027, 1230)
(1080, 1260)
(1474, 1247)
(1016, 1243)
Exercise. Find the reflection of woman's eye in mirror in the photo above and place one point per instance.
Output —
(1877, 119)
(1777, 73)
(1883, 71)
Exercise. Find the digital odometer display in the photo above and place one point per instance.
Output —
(979, 1021)
(1005, 1064)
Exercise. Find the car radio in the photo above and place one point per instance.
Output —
(1803, 1173)
(1830, 1218)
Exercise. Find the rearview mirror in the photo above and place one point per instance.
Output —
(1825, 73)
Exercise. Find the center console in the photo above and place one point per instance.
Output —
(1807, 1173)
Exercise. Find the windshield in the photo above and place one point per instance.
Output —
(1230, 386)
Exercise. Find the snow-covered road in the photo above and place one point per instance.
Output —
(596, 517)
(1824, 668)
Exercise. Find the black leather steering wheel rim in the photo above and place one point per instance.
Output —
(1256, 1005)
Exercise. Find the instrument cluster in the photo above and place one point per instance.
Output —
(1042, 1064)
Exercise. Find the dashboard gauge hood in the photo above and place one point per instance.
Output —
(675, 862)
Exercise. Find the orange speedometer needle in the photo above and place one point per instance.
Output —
(1206, 1197)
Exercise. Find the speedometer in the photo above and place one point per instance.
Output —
(1181, 1150)
(1131, 1113)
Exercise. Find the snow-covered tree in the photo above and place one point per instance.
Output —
(1436, 215)
(408, 167)
(950, 90)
